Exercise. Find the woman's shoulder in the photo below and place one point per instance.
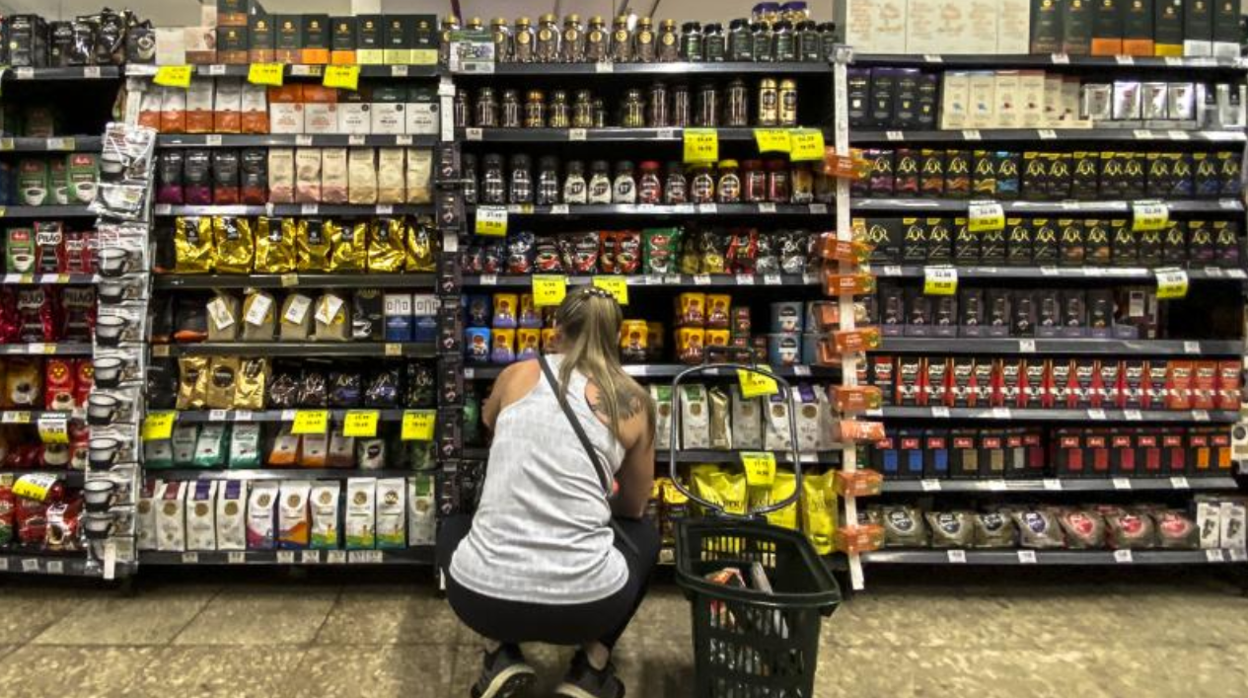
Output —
(520, 371)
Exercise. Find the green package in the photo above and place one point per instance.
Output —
(661, 249)
(184, 439)
(210, 446)
(245, 446)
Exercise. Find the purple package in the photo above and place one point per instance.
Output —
(169, 177)
(197, 178)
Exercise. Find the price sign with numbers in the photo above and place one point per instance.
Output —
(756, 384)
(343, 77)
(760, 468)
(266, 74)
(806, 144)
(772, 140)
(34, 486)
(418, 425)
(701, 145)
(615, 285)
(173, 76)
(1171, 283)
(310, 422)
(549, 289)
(940, 281)
(491, 220)
(361, 423)
(158, 426)
(982, 216)
(1149, 215)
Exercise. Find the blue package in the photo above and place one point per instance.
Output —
(477, 310)
(477, 345)
(425, 328)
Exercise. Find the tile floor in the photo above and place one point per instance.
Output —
(180, 636)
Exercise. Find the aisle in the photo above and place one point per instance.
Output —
(1170, 637)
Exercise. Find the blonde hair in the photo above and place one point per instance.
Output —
(589, 321)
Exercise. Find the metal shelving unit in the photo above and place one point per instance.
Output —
(1180, 483)
(306, 349)
(1092, 415)
(662, 280)
(47, 349)
(917, 205)
(296, 210)
(298, 70)
(651, 69)
(1058, 61)
(250, 475)
(168, 282)
(290, 140)
(1091, 274)
(406, 557)
(669, 371)
(648, 211)
(1042, 136)
(1083, 347)
(1054, 557)
(55, 144)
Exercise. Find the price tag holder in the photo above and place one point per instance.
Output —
(343, 77)
(806, 144)
(361, 423)
(615, 285)
(1149, 215)
(285, 557)
(266, 74)
(1179, 482)
(491, 220)
(1026, 346)
(983, 216)
(236, 557)
(701, 279)
(895, 135)
(1215, 555)
(30, 564)
(760, 468)
(1121, 483)
(1002, 413)
(173, 76)
(772, 140)
(1052, 484)
(940, 412)
(1123, 557)
(956, 557)
(336, 557)
(940, 281)
(158, 426)
(310, 422)
(418, 425)
(1171, 283)
(309, 557)
(1096, 415)
(1026, 557)
(1133, 415)
(756, 384)
(190, 558)
(929, 485)
(1047, 134)
(701, 145)
(56, 567)
(549, 289)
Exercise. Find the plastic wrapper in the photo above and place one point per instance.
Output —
(312, 245)
(1130, 530)
(1038, 528)
(713, 253)
(169, 177)
(383, 389)
(197, 177)
(313, 389)
(346, 389)
(249, 389)
(225, 177)
(951, 529)
(742, 251)
(580, 252)
(661, 249)
(275, 245)
(546, 258)
(794, 248)
(235, 246)
(350, 246)
(284, 389)
(1084, 529)
(904, 527)
(422, 247)
(520, 253)
(387, 247)
(1176, 530)
(994, 530)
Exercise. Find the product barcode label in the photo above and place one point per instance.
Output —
(56, 567)
(309, 209)
(356, 139)
(309, 557)
(940, 412)
(1001, 413)
(801, 371)
(212, 140)
(1059, 59)
(1215, 555)
(285, 557)
(701, 279)
(402, 140)
(4, 564)
(766, 208)
(1133, 415)
(91, 72)
(577, 134)
(25, 74)
(303, 140)
(745, 279)
(933, 58)
(336, 557)
(216, 69)
(190, 558)
(473, 134)
(489, 279)
(1200, 416)
(1096, 415)
(1142, 134)
(1179, 482)
(1191, 347)
(1047, 134)
(996, 485)
(1026, 557)
(398, 71)
(1125, 60)
(890, 270)
(1052, 484)
(1121, 483)
(1123, 557)
(971, 134)
(895, 135)
(957, 557)
(1027, 346)
(218, 415)
(771, 279)
(708, 208)
(1176, 135)
(604, 67)
(929, 485)
(385, 209)
(819, 209)
(666, 134)
(236, 557)
(30, 565)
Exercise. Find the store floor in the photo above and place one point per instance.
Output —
(1159, 635)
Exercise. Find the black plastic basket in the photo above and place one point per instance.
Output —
(749, 643)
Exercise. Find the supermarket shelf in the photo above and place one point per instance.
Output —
(1091, 273)
(194, 474)
(1045, 208)
(247, 416)
(49, 279)
(1054, 557)
(70, 563)
(1031, 135)
(703, 456)
(669, 371)
(600, 135)
(1159, 484)
(659, 210)
(421, 556)
(300, 71)
(304, 349)
(1055, 415)
(47, 349)
(1112, 347)
(289, 140)
(46, 212)
(86, 72)
(677, 68)
(213, 281)
(295, 210)
(674, 280)
(72, 478)
(1049, 61)
(33, 416)
(51, 145)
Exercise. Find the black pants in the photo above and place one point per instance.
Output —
(515, 622)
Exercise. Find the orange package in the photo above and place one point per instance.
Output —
(862, 339)
(860, 483)
(854, 284)
(859, 539)
(847, 431)
(254, 109)
(849, 251)
(150, 105)
(173, 111)
(227, 107)
(858, 398)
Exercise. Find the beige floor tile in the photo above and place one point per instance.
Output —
(1174, 670)
(390, 615)
(43, 671)
(375, 671)
(218, 672)
(976, 671)
(29, 611)
(147, 618)
(260, 616)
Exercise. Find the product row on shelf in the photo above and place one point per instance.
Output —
(63, 180)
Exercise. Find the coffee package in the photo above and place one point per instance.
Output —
(323, 502)
(262, 516)
(421, 511)
(293, 523)
(694, 417)
(201, 526)
(360, 513)
(170, 517)
(391, 513)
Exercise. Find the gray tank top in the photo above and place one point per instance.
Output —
(542, 532)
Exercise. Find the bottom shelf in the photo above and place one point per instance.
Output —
(1056, 557)
(69, 564)
(422, 556)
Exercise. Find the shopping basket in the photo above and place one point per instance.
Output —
(750, 643)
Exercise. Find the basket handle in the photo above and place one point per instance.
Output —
(785, 392)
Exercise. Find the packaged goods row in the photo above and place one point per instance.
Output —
(1034, 452)
(23, 449)
(35, 120)
(251, 446)
(50, 247)
(284, 175)
(1049, 176)
(47, 314)
(51, 525)
(360, 514)
(102, 38)
(269, 245)
(765, 102)
(1065, 242)
(1037, 383)
(63, 180)
(52, 383)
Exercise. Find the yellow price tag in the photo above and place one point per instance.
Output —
(491, 220)
(982, 216)
(345, 77)
(701, 145)
(310, 422)
(806, 144)
(34, 486)
(362, 423)
(1171, 283)
(1149, 215)
(772, 140)
(940, 281)
(266, 74)
(173, 76)
(158, 426)
(760, 468)
(756, 384)
(424, 56)
(615, 285)
(418, 425)
(549, 289)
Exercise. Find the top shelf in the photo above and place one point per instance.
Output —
(1031, 135)
(81, 72)
(298, 71)
(678, 68)
(1050, 60)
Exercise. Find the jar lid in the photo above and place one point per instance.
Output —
(783, 24)
(493, 160)
(714, 27)
(691, 27)
(499, 21)
(668, 24)
(508, 94)
(621, 19)
(596, 19)
(674, 167)
(650, 164)
(548, 162)
(624, 166)
(536, 95)
(645, 21)
(752, 164)
(547, 18)
(523, 22)
(727, 164)
(573, 18)
(575, 166)
(597, 165)
(520, 161)
(777, 165)
(739, 23)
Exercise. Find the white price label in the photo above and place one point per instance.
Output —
(1052, 484)
(1026, 346)
(1125, 60)
(385, 209)
(1047, 134)
(403, 140)
(1133, 415)
(356, 139)
(971, 134)
(1171, 283)
(1059, 59)
(940, 412)
(110, 560)
(212, 140)
(1179, 482)
(297, 309)
(929, 485)
(895, 135)
(243, 416)
(259, 309)
(285, 557)
(218, 415)
(30, 565)
(1096, 415)
(1123, 557)
(91, 72)
(577, 134)
(1200, 416)
(398, 71)
(956, 557)
(708, 209)
(216, 69)
(309, 209)
(1191, 347)
(1215, 555)
(236, 557)
(190, 558)
(25, 73)
(933, 58)
(56, 567)
(1002, 413)
(772, 280)
(336, 557)
(666, 134)
(1176, 135)
(1142, 134)
(604, 67)
(701, 279)
(996, 485)
(801, 371)
(309, 557)
(559, 210)
(819, 209)
(1121, 483)
(891, 270)
(473, 134)
(1049, 271)
(766, 208)
(745, 279)
(489, 279)
(1026, 557)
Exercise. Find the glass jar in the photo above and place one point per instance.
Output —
(462, 109)
(512, 109)
(520, 186)
(547, 193)
(493, 184)
(600, 113)
(649, 184)
(708, 105)
(714, 43)
(778, 190)
(644, 49)
(547, 39)
(597, 41)
(691, 41)
(450, 23)
(656, 106)
(767, 12)
(669, 42)
(468, 166)
(575, 188)
(809, 42)
(783, 44)
(624, 188)
(583, 110)
(502, 39)
(682, 106)
(559, 113)
(486, 115)
(728, 189)
(621, 41)
(787, 100)
(827, 35)
(599, 183)
(701, 184)
(633, 110)
(675, 188)
(795, 12)
(753, 182)
(573, 48)
(522, 41)
(535, 109)
(737, 104)
(475, 24)
(762, 41)
(802, 182)
(768, 103)
(740, 41)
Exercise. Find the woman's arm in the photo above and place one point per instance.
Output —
(636, 476)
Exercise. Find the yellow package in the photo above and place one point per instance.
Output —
(386, 251)
(236, 250)
(726, 491)
(350, 246)
(313, 245)
(275, 245)
(192, 240)
(675, 506)
(781, 489)
(421, 247)
(819, 506)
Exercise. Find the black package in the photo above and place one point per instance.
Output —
(1100, 307)
(169, 165)
(27, 43)
(1077, 27)
(110, 38)
(885, 236)
(1181, 175)
(1123, 243)
(1205, 178)
(1048, 313)
(368, 321)
(342, 37)
(1096, 246)
(225, 177)
(162, 384)
(939, 241)
(383, 388)
(1226, 244)
(992, 443)
(983, 175)
(254, 175)
(881, 179)
(1023, 315)
(944, 316)
(918, 313)
(1174, 244)
(985, 372)
(197, 177)
(61, 43)
(931, 172)
(1046, 27)
(958, 174)
(1134, 165)
(1160, 180)
(1113, 175)
(998, 316)
(1044, 251)
(1229, 169)
(971, 311)
(1074, 313)
(1070, 242)
(1084, 172)
(859, 89)
(961, 380)
(905, 172)
(1059, 165)
(964, 456)
(928, 89)
(965, 244)
(906, 99)
(345, 388)
(992, 246)
(284, 389)
(1148, 246)
(1018, 242)
(883, 91)
(420, 386)
(1200, 247)
(892, 307)
(141, 43)
(1005, 164)
(914, 241)
(313, 389)
(1035, 177)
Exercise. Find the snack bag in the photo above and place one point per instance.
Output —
(819, 502)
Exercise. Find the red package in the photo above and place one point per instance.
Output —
(1010, 385)
(627, 252)
(77, 258)
(1174, 453)
(1059, 383)
(1155, 390)
(1034, 384)
(62, 530)
(580, 252)
(1109, 391)
(882, 368)
(909, 381)
(1083, 384)
(1123, 454)
(79, 440)
(49, 247)
(1097, 450)
(984, 386)
(30, 519)
(8, 503)
(36, 315)
(1147, 453)
(10, 324)
(936, 382)
(58, 384)
(742, 251)
(77, 313)
(1134, 379)
(1204, 385)
(84, 381)
(1229, 388)
(1178, 386)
